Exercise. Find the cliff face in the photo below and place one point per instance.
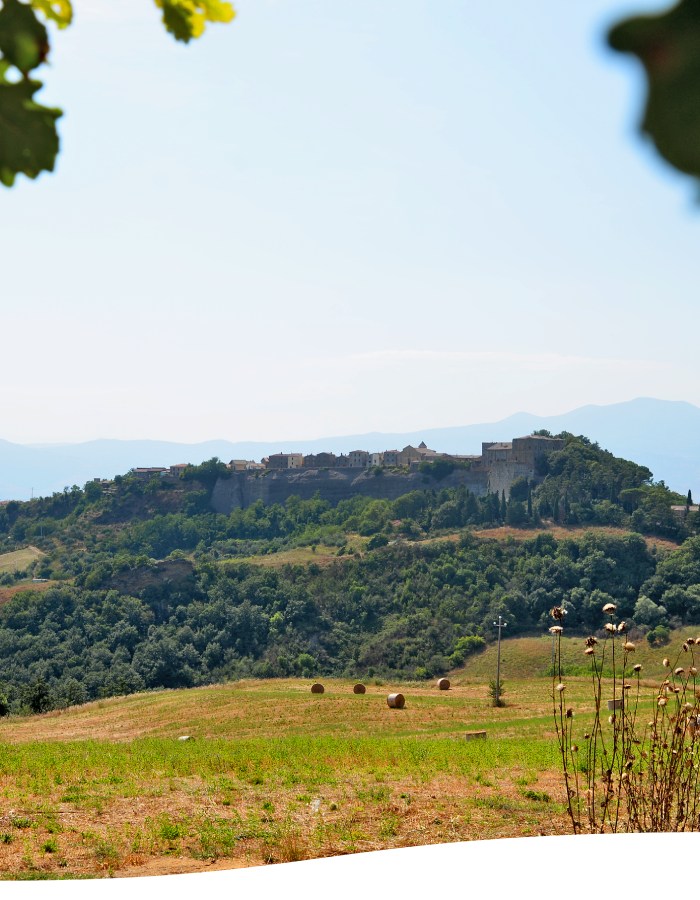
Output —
(242, 489)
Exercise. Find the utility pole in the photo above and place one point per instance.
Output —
(500, 625)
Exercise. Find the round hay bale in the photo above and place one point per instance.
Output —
(359, 688)
(443, 684)
(396, 701)
(317, 688)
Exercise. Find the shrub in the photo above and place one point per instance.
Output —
(465, 647)
(496, 692)
(659, 636)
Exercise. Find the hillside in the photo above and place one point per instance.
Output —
(137, 584)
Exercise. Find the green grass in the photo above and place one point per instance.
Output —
(531, 657)
(257, 762)
(19, 560)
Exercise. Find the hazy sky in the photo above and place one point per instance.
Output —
(331, 218)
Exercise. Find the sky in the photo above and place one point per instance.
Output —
(332, 218)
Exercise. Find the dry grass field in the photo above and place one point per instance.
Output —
(17, 560)
(562, 532)
(272, 772)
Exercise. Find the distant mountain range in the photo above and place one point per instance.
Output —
(661, 434)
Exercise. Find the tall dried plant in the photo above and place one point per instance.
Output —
(636, 769)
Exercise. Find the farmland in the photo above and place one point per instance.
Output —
(273, 773)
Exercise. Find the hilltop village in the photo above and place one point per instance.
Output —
(383, 475)
(503, 462)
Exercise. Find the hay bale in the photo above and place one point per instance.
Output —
(443, 684)
(475, 736)
(359, 688)
(317, 688)
(396, 701)
(185, 737)
(616, 704)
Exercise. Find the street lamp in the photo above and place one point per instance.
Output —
(500, 625)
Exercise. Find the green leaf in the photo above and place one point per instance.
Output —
(23, 39)
(28, 136)
(186, 19)
(668, 46)
(58, 11)
(217, 10)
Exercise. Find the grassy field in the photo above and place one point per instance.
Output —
(320, 554)
(18, 560)
(273, 773)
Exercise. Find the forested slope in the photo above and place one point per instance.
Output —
(147, 588)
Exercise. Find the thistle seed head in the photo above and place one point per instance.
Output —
(591, 641)
(589, 651)
(622, 627)
(560, 687)
(629, 647)
(609, 608)
(666, 662)
(558, 613)
(679, 670)
(556, 629)
(610, 627)
(637, 668)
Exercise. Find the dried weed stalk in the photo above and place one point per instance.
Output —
(637, 767)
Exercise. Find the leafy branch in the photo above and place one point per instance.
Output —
(29, 140)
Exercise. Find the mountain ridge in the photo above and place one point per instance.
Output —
(660, 434)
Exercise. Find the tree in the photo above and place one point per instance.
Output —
(37, 695)
(28, 137)
(668, 46)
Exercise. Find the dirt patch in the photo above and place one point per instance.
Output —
(168, 865)
(9, 592)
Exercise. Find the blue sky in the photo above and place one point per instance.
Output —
(331, 218)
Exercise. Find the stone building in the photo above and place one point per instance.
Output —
(285, 461)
